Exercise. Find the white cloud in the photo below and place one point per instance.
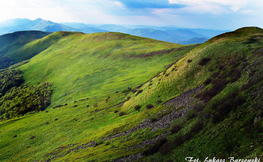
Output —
(119, 4)
(213, 6)
(235, 8)
(193, 13)
(173, 1)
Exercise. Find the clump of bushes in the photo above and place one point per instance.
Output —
(107, 100)
(235, 63)
(231, 102)
(251, 83)
(153, 118)
(218, 86)
(121, 113)
(235, 75)
(204, 61)
(189, 61)
(190, 114)
(176, 128)
(215, 118)
(221, 67)
(215, 74)
(155, 148)
(99, 142)
(137, 107)
(126, 90)
(32, 137)
(139, 91)
(134, 90)
(208, 81)
(197, 108)
(178, 140)
(159, 101)
(165, 148)
(10, 79)
(187, 136)
(197, 127)
(244, 65)
(149, 106)
(58, 106)
(23, 99)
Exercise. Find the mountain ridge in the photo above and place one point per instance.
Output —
(170, 34)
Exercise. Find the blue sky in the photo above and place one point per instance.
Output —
(210, 14)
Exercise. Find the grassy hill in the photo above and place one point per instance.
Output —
(11, 46)
(96, 65)
(119, 97)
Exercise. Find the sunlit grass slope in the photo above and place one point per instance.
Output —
(96, 65)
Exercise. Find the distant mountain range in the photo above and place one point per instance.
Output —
(169, 34)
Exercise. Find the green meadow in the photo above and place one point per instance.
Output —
(97, 65)
(107, 84)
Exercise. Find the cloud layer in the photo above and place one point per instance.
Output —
(217, 14)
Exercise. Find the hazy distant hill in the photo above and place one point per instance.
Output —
(85, 28)
(168, 34)
(10, 26)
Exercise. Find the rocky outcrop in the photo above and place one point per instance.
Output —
(184, 99)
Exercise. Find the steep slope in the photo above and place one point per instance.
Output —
(187, 73)
(208, 103)
(222, 125)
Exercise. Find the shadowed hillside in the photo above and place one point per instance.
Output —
(11, 46)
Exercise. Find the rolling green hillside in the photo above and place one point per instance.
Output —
(118, 97)
(96, 65)
(11, 46)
